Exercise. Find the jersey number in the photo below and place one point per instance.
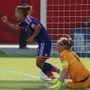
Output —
(76, 57)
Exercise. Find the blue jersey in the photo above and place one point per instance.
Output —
(31, 24)
(44, 41)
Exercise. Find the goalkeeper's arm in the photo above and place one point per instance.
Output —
(64, 74)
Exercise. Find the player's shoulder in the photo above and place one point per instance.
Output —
(73, 53)
(64, 52)
(63, 56)
(31, 17)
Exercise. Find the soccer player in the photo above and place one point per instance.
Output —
(23, 33)
(37, 31)
(72, 65)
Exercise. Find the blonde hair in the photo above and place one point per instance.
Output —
(66, 42)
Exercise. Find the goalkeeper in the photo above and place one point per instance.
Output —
(72, 65)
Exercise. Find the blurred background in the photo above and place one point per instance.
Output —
(8, 36)
(60, 17)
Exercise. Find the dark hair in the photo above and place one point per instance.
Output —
(24, 9)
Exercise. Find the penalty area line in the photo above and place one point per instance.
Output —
(13, 71)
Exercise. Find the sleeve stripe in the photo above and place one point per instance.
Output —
(29, 19)
(37, 26)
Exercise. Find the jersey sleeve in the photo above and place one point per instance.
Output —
(34, 23)
(64, 60)
(20, 25)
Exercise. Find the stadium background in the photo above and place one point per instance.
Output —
(18, 69)
(61, 16)
(8, 36)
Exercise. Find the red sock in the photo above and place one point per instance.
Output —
(50, 75)
(55, 69)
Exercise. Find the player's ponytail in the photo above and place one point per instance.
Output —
(66, 41)
(24, 9)
(28, 8)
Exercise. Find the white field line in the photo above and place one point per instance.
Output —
(16, 46)
(13, 71)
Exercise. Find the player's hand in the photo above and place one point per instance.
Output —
(51, 82)
(30, 40)
(57, 86)
(4, 18)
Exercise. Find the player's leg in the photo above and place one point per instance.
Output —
(68, 83)
(41, 64)
(83, 84)
(43, 54)
(88, 82)
(47, 68)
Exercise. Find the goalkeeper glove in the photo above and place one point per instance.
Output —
(57, 86)
(51, 83)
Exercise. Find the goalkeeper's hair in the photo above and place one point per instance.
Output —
(24, 9)
(65, 41)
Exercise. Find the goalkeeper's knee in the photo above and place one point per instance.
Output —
(68, 83)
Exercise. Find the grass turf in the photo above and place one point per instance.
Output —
(22, 74)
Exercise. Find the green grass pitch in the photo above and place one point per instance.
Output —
(21, 73)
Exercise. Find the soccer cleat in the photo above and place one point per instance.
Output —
(43, 76)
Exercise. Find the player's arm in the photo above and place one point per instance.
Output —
(37, 30)
(64, 74)
(5, 20)
(65, 65)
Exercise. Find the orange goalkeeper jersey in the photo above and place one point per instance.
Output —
(73, 63)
